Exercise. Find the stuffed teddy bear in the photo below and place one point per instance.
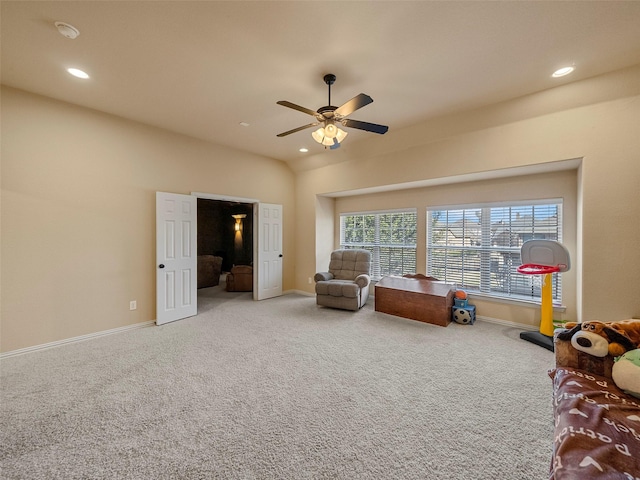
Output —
(626, 372)
(602, 338)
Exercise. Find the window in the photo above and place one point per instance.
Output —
(389, 236)
(478, 247)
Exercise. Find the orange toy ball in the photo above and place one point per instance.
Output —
(461, 294)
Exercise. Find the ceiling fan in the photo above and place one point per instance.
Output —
(328, 117)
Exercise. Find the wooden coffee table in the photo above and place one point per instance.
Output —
(415, 298)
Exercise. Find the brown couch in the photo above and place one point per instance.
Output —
(597, 425)
(209, 269)
(240, 279)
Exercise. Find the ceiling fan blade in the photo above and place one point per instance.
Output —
(284, 103)
(369, 127)
(354, 104)
(284, 134)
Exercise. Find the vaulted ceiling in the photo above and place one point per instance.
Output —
(203, 68)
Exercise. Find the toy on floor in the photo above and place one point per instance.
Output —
(626, 372)
(460, 298)
(603, 338)
(464, 315)
(461, 311)
(543, 257)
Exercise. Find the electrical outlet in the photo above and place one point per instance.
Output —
(133, 305)
(309, 280)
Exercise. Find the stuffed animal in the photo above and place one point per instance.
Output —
(626, 372)
(602, 338)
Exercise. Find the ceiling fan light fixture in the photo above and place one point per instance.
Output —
(328, 142)
(340, 135)
(329, 136)
(318, 135)
(330, 129)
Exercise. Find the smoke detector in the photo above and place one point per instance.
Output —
(67, 30)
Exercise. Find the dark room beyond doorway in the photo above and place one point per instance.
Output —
(224, 232)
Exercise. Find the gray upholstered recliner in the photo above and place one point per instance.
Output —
(346, 284)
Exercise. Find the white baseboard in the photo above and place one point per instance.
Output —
(506, 323)
(299, 292)
(81, 338)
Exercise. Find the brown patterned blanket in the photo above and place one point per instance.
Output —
(597, 428)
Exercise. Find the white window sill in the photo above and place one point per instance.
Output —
(514, 301)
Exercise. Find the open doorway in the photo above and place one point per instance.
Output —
(177, 248)
(219, 235)
(225, 230)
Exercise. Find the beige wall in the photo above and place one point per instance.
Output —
(78, 213)
(596, 121)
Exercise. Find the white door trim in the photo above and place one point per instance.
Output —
(212, 196)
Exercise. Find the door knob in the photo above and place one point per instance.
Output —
(161, 265)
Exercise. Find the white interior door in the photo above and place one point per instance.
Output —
(176, 257)
(269, 264)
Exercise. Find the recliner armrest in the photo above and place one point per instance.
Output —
(362, 280)
(323, 276)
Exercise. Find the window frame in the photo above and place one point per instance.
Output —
(514, 281)
(375, 246)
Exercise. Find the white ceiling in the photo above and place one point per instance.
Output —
(202, 67)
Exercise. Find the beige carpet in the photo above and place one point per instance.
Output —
(281, 389)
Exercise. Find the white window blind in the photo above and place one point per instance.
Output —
(478, 247)
(389, 236)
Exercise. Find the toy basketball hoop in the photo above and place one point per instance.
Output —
(543, 254)
(534, 269)
(543, 257)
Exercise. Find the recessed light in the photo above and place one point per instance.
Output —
(78, 73)
(304, 150)
(561, 72)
